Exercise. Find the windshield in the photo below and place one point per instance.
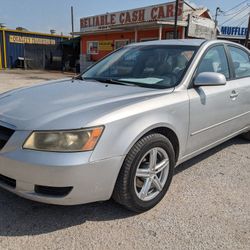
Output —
(152, 66)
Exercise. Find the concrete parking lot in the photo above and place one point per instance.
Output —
(207, 206)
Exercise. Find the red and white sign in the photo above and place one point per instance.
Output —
(161, 12)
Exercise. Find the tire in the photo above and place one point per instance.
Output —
(126, 191)
(246, 136)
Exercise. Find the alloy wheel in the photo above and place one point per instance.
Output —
(151, 174)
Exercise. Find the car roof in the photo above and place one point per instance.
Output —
(187, 42)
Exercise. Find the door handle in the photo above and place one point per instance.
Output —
(234, 94)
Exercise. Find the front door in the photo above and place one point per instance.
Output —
(213, 109)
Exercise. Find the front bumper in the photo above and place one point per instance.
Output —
(90, 181)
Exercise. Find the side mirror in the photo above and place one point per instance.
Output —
(210, 79)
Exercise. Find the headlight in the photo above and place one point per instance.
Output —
(64, 141)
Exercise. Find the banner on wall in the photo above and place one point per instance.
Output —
(106, 45)
(200, 27)
(160, 12)
(31, 40)
(234, 31)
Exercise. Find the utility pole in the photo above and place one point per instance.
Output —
(176, 19)
(72, 21)
(218, 10)
(248, 30)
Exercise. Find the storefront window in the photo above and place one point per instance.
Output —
(93, 47)
(170, 35)
(121, 43)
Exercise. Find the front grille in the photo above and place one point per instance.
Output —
(53, 191)
(5, 134)
(7, 181)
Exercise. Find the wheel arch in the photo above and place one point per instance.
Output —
(166, 131)
(171, 135)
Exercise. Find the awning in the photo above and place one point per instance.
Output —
(133, 26)
(231, 37)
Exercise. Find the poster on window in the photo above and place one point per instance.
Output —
(93, 48)
(106, 45)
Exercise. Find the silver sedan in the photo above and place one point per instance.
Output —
(119, 129)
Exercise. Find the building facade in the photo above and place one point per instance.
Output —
(20, 48)
(101, 34)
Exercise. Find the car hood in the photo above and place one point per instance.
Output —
(65, 104)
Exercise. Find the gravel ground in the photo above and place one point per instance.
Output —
(207, 207)
(10, 79)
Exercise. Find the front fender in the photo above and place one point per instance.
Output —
(120, 135)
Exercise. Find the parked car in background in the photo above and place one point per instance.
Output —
(119, 129)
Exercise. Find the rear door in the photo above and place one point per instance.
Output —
(240, 60)
(213, 109)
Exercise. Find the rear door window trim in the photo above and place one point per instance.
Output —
(231, 60)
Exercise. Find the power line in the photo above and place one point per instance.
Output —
(239, 25)
(236, 6)
(233, 16)
(237, 11)
(242, 20)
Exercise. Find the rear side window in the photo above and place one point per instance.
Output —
(241, 62)
(215, 60)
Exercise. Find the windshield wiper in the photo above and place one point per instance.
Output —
(116, 81)
(79, 77)
(109, 80)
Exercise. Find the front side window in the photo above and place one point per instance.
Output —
(241, 62)
(152, 66)
(215, 60)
